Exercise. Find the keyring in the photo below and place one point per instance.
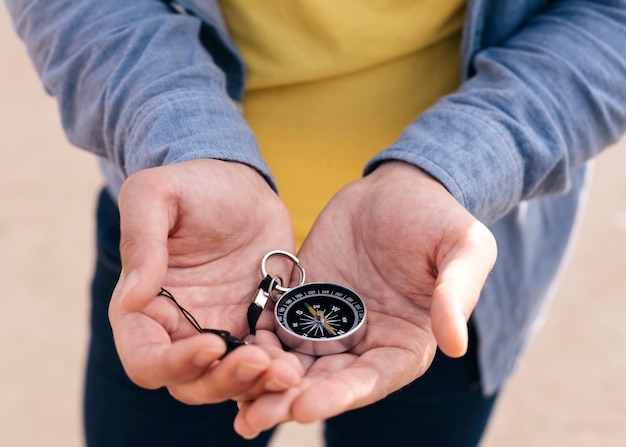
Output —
(293, 259)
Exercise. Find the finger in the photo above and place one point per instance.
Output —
(338, 384)
(232, 375)
(337, 394)
(285, 371)
(144, 225)
(460, 280)
(151, 361)
(249, 421)
(241, 425)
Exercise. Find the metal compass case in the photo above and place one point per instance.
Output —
(320, 318)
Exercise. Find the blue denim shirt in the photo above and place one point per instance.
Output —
(141, 84)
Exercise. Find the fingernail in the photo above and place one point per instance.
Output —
(206, 356)
(275, 384)
(250, 437)
(129, 282)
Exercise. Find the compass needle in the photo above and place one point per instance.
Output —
(328, 326)
(310, 308)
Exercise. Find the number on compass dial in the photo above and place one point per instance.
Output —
(320, 318)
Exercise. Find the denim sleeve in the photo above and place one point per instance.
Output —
(138, 82)
(538, 105)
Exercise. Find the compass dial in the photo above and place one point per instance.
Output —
(320, 318)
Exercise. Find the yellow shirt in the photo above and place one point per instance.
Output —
(331, 83)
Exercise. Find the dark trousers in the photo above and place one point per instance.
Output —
(445, 407)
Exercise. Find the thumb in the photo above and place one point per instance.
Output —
(457, 290)
(144, 228)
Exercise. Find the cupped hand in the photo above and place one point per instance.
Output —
(418, 259)
(199, 229)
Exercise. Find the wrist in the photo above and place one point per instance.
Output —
(394, 170)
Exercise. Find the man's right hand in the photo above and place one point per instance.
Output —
(199, 229)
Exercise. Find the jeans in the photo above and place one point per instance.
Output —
(445, 407)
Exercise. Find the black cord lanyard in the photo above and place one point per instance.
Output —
(254, 313)
(231, 341)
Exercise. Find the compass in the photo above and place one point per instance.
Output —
(320, 318)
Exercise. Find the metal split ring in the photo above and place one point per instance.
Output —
(292, 258)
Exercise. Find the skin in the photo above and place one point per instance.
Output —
(397, 237)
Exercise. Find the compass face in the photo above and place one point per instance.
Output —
(320, 318)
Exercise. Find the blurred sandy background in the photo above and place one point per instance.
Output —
(570, 390)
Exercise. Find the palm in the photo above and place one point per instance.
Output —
(393, 242)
